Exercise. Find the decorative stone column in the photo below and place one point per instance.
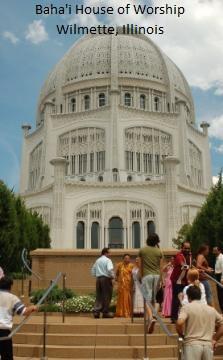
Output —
(170, 164)
(59, 164)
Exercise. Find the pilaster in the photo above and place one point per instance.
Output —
(172, 208)
(59, 164)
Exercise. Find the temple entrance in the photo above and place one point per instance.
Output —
(115, 232)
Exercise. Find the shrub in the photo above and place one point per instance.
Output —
(55, 296)
(50, 308)
(76, 304)
(82, 303)
(18, 275)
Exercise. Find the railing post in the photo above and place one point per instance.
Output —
(145, 332)
(44, 333)
(180, 349)
(63, 300)
(30, 287)
(22, 289)
(132, 304)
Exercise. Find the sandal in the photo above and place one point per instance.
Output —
(151, 326)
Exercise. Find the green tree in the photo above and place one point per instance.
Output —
(19, 228)
(182, 235)
(207, 227)
(9, 229)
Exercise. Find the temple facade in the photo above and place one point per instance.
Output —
(116, 153)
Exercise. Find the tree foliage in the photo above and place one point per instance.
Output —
(182, 235)
(207, 226)
(19, 228)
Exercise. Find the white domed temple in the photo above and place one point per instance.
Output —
(115, 153)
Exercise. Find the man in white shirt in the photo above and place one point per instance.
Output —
(103, 270)
(9, 305)
(219, 274)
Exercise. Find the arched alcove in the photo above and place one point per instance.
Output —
(95, 235)
(136, 243)
(80, 235)
(116, 232)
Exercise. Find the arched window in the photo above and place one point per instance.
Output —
(80, 234)
(101, 99)
(115, 174)
(61, 108)
(129, 178)
(86, 153)
(86, 102)
(136, 235)
(142, 101)
(128, 99)
(95, 235)
(150, 227)
(156, 103)
(100, 178)
(115, 233)
(73, 105)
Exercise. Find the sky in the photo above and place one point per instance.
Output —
(30, 47)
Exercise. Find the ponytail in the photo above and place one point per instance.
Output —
(197, 283)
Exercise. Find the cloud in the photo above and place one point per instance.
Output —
(216, 128)
(219, 149)
(193, 41)
(11, 37)
(214, 179)
(36, 32)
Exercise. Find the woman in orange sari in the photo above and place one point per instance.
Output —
(124, 279)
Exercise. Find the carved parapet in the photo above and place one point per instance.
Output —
(26, 128)
(204, 125)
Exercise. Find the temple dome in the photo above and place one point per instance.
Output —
(134, 56)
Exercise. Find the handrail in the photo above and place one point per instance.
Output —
(209, 276)
(25, 263)
(162, 325)
(48, 290)
(214, 280)
(160, 321)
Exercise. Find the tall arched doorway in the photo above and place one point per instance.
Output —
(136, 235)
(151, 229)
(95, 235)
(80, 235)
(115, 231)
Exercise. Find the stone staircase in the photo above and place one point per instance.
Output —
(88, 338)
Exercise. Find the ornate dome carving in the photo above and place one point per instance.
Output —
(134, 56)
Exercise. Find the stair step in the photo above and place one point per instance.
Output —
(91, 328)
(85, 338)
(50, 358)
(66, 339)
(100, 352)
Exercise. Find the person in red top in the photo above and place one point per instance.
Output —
(181, 264)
